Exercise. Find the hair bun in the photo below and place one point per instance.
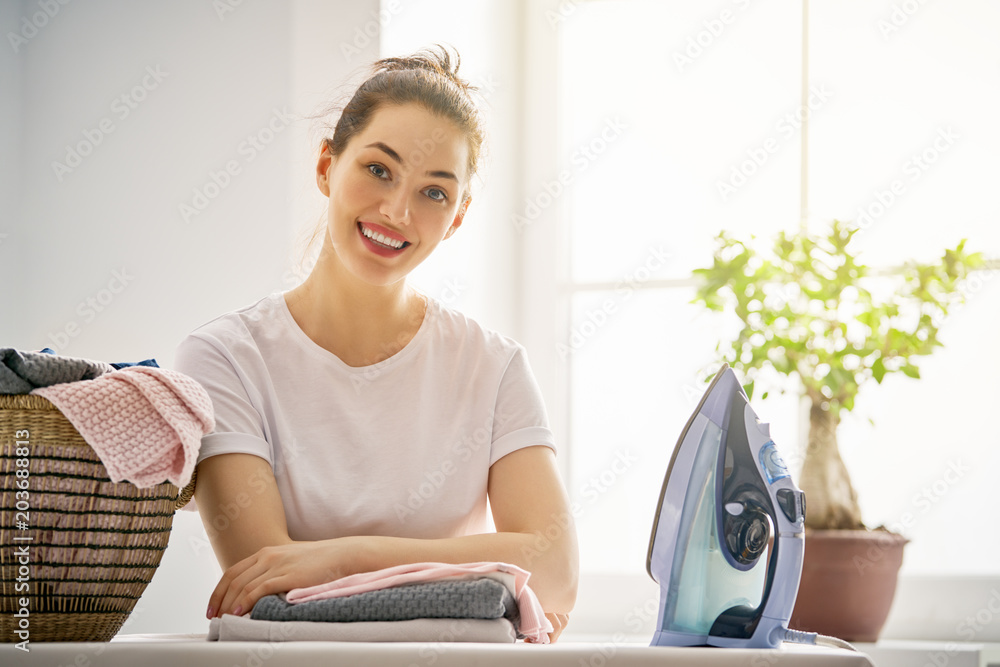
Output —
(437, 60)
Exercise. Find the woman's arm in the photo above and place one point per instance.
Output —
(239, 503)
(530, 510)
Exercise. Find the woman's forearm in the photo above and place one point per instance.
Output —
(551, 558)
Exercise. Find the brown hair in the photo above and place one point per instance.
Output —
(430, 78)
(426, 78)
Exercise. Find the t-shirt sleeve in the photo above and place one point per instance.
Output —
(239, 427)
(519, 419)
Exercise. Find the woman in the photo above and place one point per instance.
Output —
(359, 423)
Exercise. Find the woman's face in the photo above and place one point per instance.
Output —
(395, 192)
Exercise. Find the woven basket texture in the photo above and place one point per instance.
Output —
(93, 545)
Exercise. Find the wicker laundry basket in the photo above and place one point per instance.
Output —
(92, 545)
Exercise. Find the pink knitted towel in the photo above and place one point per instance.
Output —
(144, 423)
(533, 623)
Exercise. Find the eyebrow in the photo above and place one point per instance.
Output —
(395, 156)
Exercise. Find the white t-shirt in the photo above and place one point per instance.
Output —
(402, 447)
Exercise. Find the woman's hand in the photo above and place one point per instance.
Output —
(558, 622)
(280, 568)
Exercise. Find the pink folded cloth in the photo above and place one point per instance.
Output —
(533, 623)
(144, 423)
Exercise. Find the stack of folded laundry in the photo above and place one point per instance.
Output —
(419, 602)
(144, 422)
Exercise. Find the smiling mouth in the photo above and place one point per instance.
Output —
(381, 240)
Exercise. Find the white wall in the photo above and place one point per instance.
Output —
(221, 77)
(218, 81)
(10, 148)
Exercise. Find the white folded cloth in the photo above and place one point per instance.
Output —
(243, 628)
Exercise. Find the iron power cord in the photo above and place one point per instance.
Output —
(800, 637)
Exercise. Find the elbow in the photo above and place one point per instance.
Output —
(563, 595)
(558, 574)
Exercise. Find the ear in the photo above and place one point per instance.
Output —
(323, 169)
(459, 217)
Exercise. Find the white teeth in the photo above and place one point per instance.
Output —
(379, 238)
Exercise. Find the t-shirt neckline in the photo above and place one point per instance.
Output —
(308, 343)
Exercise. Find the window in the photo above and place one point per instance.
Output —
(680, 119)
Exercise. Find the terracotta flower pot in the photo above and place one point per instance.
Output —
(848, 582)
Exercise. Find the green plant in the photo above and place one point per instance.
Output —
(806, 312)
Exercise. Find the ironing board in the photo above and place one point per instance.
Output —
(192, 650)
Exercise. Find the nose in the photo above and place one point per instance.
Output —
(396, 206)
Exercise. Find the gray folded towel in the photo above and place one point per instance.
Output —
(476, 598)
(20, 372)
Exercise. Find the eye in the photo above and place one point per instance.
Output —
(437, 194)
(378, 171)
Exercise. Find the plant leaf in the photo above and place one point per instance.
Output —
(878, 370)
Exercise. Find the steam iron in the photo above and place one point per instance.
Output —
(727, 493)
